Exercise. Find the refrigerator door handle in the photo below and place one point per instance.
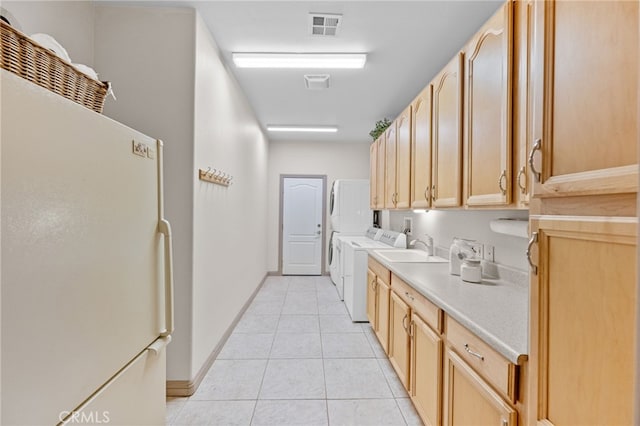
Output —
(159, 344)
(165, 229)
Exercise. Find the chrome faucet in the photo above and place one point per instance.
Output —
(427, 244)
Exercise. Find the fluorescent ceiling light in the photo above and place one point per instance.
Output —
(299, 60)
(321, 129)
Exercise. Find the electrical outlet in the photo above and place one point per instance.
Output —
(488, 253)
(407, 225)
(477, 249)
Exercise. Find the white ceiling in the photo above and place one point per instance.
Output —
(407, 43)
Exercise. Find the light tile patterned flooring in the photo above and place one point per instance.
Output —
(295, 358)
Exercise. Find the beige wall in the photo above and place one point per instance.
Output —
(171, 84)
(229, 250)
(149, 57)
(444, 225)
(337, 161)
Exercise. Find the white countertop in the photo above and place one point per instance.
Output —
(495, 310)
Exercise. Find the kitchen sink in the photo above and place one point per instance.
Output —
(409, 256)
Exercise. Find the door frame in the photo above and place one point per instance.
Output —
(323, 270)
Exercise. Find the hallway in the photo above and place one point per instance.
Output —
(295, 358)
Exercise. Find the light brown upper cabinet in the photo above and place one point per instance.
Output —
(522, 99)
(380, 170)
(585, 118)
(390, 169)
(421, 150)
(487, 128)
(446, 185)
(373, 175)
(403, 159)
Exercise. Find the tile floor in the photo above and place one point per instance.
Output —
(295, 358)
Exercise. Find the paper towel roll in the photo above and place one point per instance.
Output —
(515, 227)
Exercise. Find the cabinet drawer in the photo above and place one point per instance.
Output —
(429, 312)
(381, 272)
(492, 366)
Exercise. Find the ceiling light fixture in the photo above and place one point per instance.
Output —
(299, 60)
(317, 129)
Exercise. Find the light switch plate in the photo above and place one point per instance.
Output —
(488, 252)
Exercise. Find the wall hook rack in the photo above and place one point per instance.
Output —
(215, 176)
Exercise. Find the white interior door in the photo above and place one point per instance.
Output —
(302, 226)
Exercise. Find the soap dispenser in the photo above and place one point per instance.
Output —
(459, 250)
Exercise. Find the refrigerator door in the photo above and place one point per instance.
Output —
(82, 272)
(144, 377)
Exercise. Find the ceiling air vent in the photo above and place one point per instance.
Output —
(324, 24)
(316, 81)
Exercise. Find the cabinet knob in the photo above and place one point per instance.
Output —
(522, 173)
(536, 147)
(532, 241)
(470, 352)
(503, 188)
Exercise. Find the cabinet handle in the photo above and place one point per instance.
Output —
(536, 147)
(433, 193)
(503, 176)
(403, 325)
(505, 422)
(426, 194)
(412, 324)
(470, 352)
(521, 173)
(532, 241)
(406, 293)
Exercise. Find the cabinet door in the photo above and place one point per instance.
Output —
(447, 136)
(522, 99)
(371, 299)
(403, 162)
(586, 97)
(583, 302)
(426, 371)
(469, 400)
(381, 171)
(373, 174)
(382, 315)
(488, 112)
(421, 150)
(399, 321)
(390, 171)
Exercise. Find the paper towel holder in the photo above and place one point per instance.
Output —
(510, 226)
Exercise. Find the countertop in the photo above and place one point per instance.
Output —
(495, 310)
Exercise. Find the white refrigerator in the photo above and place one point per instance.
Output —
(86, 282)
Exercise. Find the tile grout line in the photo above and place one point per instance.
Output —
(266, 366)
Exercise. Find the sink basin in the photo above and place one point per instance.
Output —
(409, 256)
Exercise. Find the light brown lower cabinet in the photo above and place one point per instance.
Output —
(399, 320)
(469, 400)
(383, 295)
(446, 389)
(372, 299)
(583, 315)
(378, 294)
(425, 369)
